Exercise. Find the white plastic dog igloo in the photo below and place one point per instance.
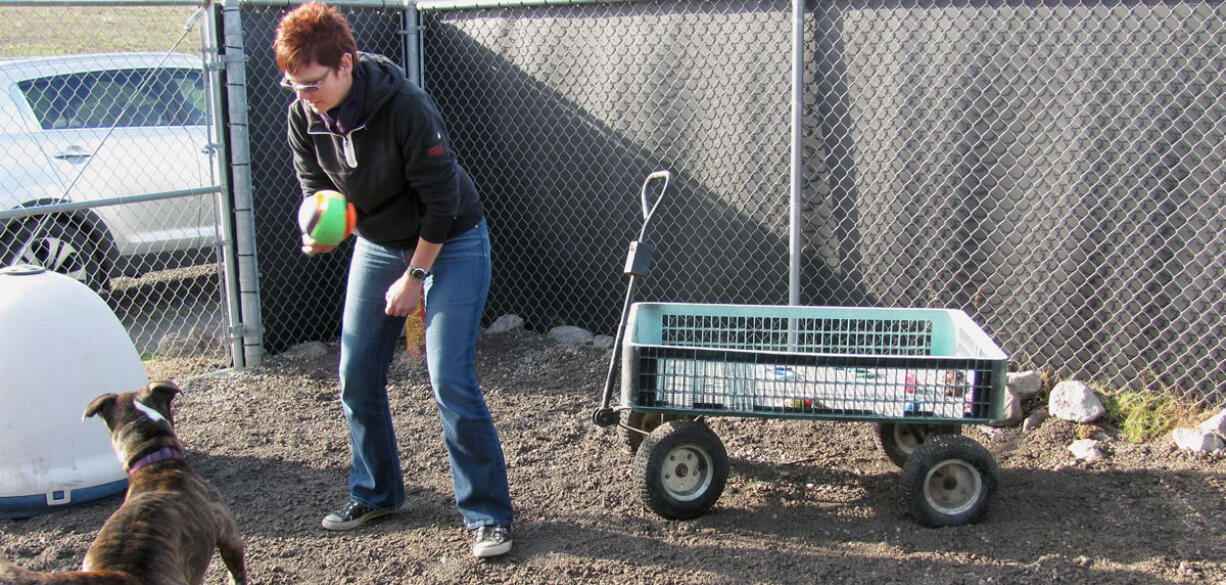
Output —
(61, 346)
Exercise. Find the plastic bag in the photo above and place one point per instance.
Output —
(415, 331)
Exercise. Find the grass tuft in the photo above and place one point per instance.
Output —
(1143, 415)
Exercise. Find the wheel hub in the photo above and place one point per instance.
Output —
(952, 486)
(687, 474)
(909, 437)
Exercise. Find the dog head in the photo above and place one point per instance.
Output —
(140, 422)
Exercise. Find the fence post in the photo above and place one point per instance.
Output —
(412, 44)
(234, 56)
(798, 112)
(214, 66)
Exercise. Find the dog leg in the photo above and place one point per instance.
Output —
(230, 545)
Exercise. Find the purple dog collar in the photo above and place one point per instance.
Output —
(163, 454)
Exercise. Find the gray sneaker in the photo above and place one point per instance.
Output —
(491, 541)
(354, 514)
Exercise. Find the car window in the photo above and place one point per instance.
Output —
(54, 99)
(188, 98)
(123, 98)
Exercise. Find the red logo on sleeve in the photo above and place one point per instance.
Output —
(436, 151)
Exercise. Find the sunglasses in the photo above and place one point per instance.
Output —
(292, 85)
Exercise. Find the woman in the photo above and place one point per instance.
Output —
(359, 126)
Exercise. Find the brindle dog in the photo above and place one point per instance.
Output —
(170, 520)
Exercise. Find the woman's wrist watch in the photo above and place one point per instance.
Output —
(417, 273)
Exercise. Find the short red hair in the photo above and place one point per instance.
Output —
(312, 33)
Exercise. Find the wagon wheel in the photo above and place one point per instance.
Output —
(645, 422)
(680, 469)
(899, 440)
(949, 480)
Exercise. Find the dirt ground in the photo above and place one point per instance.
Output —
(806, 502)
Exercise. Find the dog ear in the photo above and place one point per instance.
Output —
(164, 390)
(158, 395)
(106, 401)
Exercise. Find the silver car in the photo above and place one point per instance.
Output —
(113, 141)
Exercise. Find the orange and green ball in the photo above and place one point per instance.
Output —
(327, 217)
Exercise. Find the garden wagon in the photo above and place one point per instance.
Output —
(919, 374)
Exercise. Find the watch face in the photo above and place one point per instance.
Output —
(418, 274)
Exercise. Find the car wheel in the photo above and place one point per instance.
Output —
(59, 247)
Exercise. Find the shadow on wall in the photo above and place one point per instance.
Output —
(561, 165)
(947, 169)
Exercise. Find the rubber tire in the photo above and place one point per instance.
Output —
(899, 440)
(60, 247)
(949, 481)
(681, 469)
(644, 421)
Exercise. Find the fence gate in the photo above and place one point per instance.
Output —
(109, 168)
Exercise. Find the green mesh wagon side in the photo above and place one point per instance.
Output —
(869, 364)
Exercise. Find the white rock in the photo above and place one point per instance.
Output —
(1035, 419)
(505, 323)
(1215, 424)
(1196, 440)
(1086, 450)
(174, 344)
(603, 341)
(1074, 401)
(1024, 384)
(571, 335)
(195, 342)
(991, 432)
(308, 350)
(1013, 413)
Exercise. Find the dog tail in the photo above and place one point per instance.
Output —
(11, 574)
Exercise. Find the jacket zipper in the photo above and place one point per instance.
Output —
(351, 155)
(347, 148)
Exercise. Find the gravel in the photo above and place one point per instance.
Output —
(806, 501)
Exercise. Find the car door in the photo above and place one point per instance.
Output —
(134, 131)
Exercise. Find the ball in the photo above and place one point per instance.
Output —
(327, 217)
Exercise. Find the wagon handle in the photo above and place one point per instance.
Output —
(637, 263)
(650, 210)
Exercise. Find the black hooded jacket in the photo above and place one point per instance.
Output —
(395, 166)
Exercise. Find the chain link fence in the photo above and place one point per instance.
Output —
(561, 112)
(108, 166)
(1055, 170)
(300, 297)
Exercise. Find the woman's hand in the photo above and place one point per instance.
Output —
(403, 296)
(310, 247)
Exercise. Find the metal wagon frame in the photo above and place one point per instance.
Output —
(919, 374)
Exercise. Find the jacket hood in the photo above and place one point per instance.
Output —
(383, 80)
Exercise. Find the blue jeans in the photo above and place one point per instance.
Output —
(455, 295)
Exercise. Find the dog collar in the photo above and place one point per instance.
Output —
(163, 454)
